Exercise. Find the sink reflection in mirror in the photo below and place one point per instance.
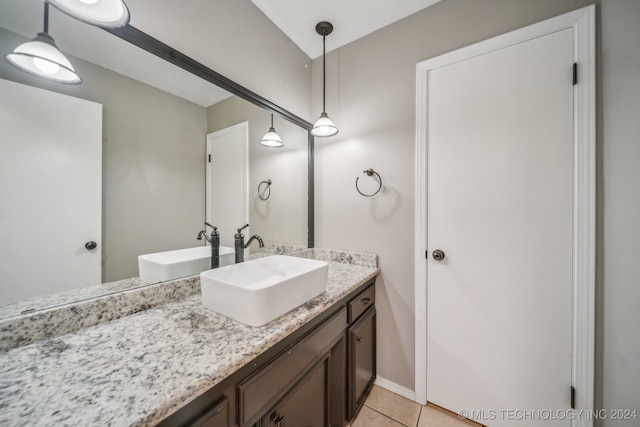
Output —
(169, 265)
(258, 291)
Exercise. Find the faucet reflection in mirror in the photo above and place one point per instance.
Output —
(240, 246)
(214, 241)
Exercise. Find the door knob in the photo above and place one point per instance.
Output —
(438, 255)
(90, 245)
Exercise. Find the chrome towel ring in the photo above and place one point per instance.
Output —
(267, 189)
(370, 172)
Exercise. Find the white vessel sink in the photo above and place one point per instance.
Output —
(169, 265)
(256, 292)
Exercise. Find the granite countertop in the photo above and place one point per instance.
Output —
(139, 369)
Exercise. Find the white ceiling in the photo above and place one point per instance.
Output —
(351, 19)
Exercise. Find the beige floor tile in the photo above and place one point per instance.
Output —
(370, 418)
(394, 406)
(433, 417)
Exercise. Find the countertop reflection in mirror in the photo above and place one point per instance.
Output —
(157, 108)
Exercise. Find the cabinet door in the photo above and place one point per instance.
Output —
(306, 404)
(362, 360)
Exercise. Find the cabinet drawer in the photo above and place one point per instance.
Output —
(216, 416)
(359, 304)
(263, 389)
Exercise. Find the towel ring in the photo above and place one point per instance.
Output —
(370, 172)
(260, 193)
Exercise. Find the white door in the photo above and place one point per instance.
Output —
(499, 206)
(227, 180)
(50, 192)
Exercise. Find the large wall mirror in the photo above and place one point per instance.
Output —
(156, 109)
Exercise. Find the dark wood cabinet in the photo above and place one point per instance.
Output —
(259, 393)
(362, 349)
(318, 377)
(306, 404)
(216, 416)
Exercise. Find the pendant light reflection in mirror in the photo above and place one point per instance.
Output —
(41, 57)
(324, 126)
(271, 138)
(101, 13)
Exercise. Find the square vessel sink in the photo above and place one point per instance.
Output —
(256, 292)
(169, 265)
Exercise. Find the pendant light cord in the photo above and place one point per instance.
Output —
(46, 17)
(324, 75)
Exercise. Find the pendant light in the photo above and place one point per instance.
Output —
(101, 13)
(271, 138)
(324, 126)
(42, 58)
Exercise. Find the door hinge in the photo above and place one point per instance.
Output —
(426, 254)
(575, 73)
(573, 397)
(209, 158)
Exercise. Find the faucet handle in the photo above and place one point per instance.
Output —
(242, 228)
(215, 229)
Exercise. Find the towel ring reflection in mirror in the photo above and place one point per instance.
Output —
(370, 172)
(264, 187)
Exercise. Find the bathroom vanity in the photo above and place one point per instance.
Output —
(180, 363)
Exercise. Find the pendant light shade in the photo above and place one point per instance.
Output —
(271, 139)
(41, 57)
(324, 126)
(102, 13)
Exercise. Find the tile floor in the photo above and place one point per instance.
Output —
(386, 409)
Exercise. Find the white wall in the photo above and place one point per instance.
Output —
(371, 97)
(619, 202)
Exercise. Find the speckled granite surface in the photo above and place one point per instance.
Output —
(139, 369)
(343, 257)
(61, 298)
(44, 324)
(281, 248)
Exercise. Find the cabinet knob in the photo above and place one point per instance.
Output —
(91, 245)
(277, 419)
(365, 301)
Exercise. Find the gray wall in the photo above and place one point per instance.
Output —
(618, 293)
(153, 162)
(283, 217)
(236, 39)
(371, 97)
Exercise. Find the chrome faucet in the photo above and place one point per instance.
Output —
(214, 241)
(240, 246)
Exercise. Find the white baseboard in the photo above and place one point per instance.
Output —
(395, 388)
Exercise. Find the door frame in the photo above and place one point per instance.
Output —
(582, 21)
